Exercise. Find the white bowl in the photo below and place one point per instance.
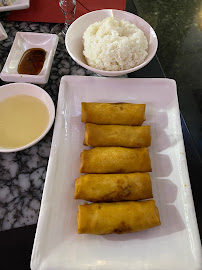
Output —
(74, 38)
(24, 41)
(15, 89)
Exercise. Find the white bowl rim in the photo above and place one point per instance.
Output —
(106, 72)
(50, 123)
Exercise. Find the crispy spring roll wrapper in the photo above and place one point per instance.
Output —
(117, 217)
(113, 113)
(113, 187)
(115, 160)
(117, 135)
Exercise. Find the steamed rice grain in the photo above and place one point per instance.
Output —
(114, 45)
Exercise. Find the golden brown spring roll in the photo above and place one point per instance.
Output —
(117, 135)
(113, 187)
(115, 160)
(117, 217)
(113, 113)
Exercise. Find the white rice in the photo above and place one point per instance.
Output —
(114, 45)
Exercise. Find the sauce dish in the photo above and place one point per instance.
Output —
(24, 41)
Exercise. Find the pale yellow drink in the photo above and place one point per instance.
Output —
(23, 119)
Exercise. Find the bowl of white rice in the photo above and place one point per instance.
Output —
(111, 42)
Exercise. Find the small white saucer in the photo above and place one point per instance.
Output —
(24, 41)
(14, 89)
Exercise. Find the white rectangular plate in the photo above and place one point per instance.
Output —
(17, 5)
(176, 243)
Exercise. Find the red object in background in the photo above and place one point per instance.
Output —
(49, 10)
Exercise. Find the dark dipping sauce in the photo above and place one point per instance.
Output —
(32, 61)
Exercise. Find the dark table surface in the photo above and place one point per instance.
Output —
(178, 25)
(16, 244)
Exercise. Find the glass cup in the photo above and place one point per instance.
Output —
(68, 8)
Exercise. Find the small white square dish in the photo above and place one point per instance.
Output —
(16, 5)
(24, 41)
(176, 243)
(3, 34)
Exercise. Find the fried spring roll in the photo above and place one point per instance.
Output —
(117, 217)
(113, 187)
(117, 135)
(113, 113)
(115, 160)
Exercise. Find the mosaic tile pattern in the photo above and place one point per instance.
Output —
(22, 174)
